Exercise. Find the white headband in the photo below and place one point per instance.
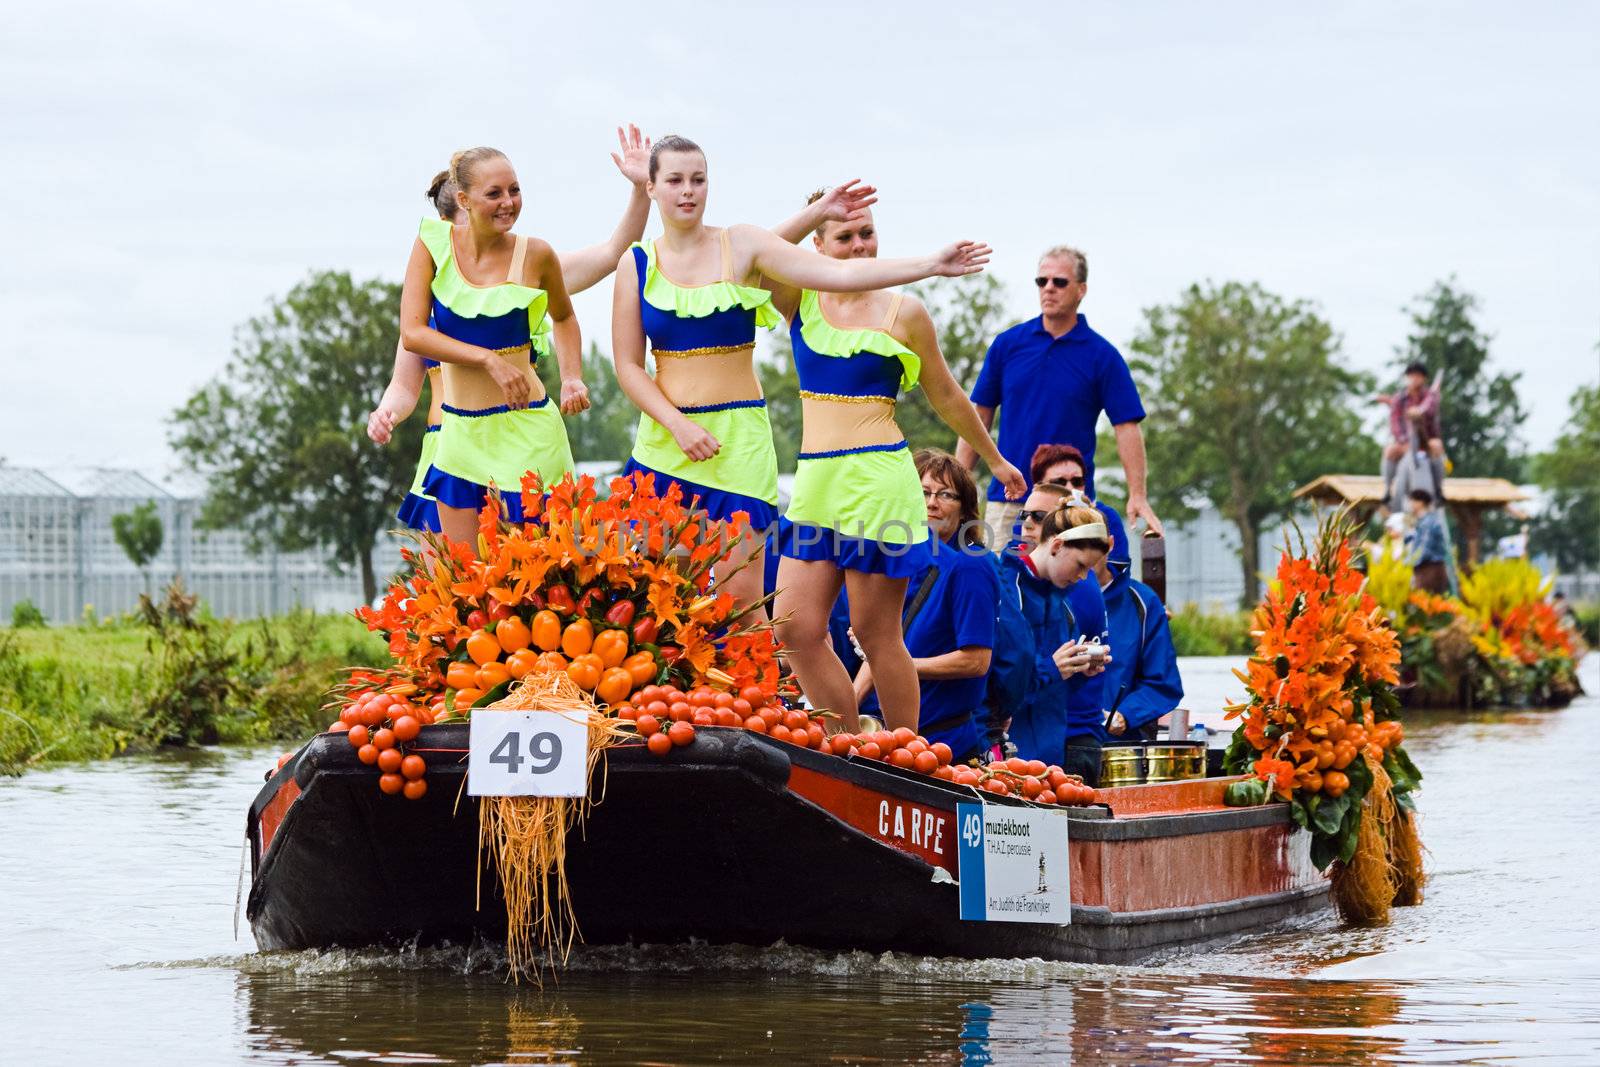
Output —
(1089, 531)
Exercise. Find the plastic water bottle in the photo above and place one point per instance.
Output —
(1200, 733)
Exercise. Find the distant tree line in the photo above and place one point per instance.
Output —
(1249, 395)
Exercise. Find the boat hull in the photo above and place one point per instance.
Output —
(741, 839)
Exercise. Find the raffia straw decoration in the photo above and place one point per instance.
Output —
(526, 837)
(1364, 888)
(1405, 853)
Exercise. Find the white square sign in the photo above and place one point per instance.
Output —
(528, 754)
(1014, 864)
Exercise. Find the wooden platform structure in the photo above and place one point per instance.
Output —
(1467, 498)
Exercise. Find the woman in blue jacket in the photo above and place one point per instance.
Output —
(1060, 721)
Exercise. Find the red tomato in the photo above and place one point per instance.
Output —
(659, 744)
(870, 750)
(647, 725)
(389, 760)
(925, 762)
(756, 724)
(391, 783)
(367, 753)
(680, 733)
(941, 750)
(406, 728)
(383, 739)
(413, 767)
(415, 789)
(359, 735)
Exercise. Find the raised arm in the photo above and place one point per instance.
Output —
(627, 356)
(765, 252)
(567, 338)
(587, 267)
(400, 398)
(424, 340)
(843, 203)
(950, 402)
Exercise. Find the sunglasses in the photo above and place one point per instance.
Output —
(1059, 283)
(1032, 516)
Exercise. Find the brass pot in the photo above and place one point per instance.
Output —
(1175, 763)
(1121, 765)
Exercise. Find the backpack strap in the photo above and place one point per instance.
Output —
(930, 576)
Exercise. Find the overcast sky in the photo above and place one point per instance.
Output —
(175, 166)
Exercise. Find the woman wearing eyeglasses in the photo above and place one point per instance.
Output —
(856, 519)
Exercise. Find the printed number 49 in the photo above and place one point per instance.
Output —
(544, 752)
(972, 830)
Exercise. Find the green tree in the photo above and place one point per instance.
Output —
(605, 431)
(1247, 398)
(781, 386)
(1569, 528)
(1480, 413)
(139, 533)
(280, 435)
(967, 312)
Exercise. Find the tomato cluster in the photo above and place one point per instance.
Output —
(609, 653)
(666, 718)
(381, 724)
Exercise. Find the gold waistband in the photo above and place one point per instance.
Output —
(712, 350)
(845, 398)
(514, 350)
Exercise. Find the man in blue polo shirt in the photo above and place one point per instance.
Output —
(1054, 375)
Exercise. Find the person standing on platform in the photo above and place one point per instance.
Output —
(1429, 545)
(1050, 378)
(480, 300)
(696, 294)
(580, 269)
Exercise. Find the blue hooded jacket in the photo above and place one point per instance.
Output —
(1056, 708)
(1142, 655)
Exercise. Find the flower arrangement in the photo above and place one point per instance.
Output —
(1318, 727)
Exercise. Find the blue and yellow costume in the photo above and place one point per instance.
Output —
(481, 440)
(857, 500)
(703, 338)
(418, 511)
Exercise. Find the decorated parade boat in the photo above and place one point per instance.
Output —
(740, 838)
(579, 737)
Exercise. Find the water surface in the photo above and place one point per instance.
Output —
(117, 891)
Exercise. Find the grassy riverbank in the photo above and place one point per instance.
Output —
(90, 692)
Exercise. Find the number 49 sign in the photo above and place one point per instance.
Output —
(528, 754)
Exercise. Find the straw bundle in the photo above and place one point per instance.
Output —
(526, 837)
(1405, 852)
(1364, 888)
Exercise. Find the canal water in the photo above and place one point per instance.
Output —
(117, 944)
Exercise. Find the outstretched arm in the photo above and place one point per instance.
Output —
(400, 398)
(587, 267)
(766, 252)
(627, 355)
(966, 455)
(843, 203)
(950, 402)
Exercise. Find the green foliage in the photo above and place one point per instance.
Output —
(1569, 528)
(139, 533)
(1481, 414)
(197, 681)
(25, 613)
(72, 693)
(781, 384)
(1195, 633)
(1248, 397)
(280, 435)
(605, 431)
(968, 313)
